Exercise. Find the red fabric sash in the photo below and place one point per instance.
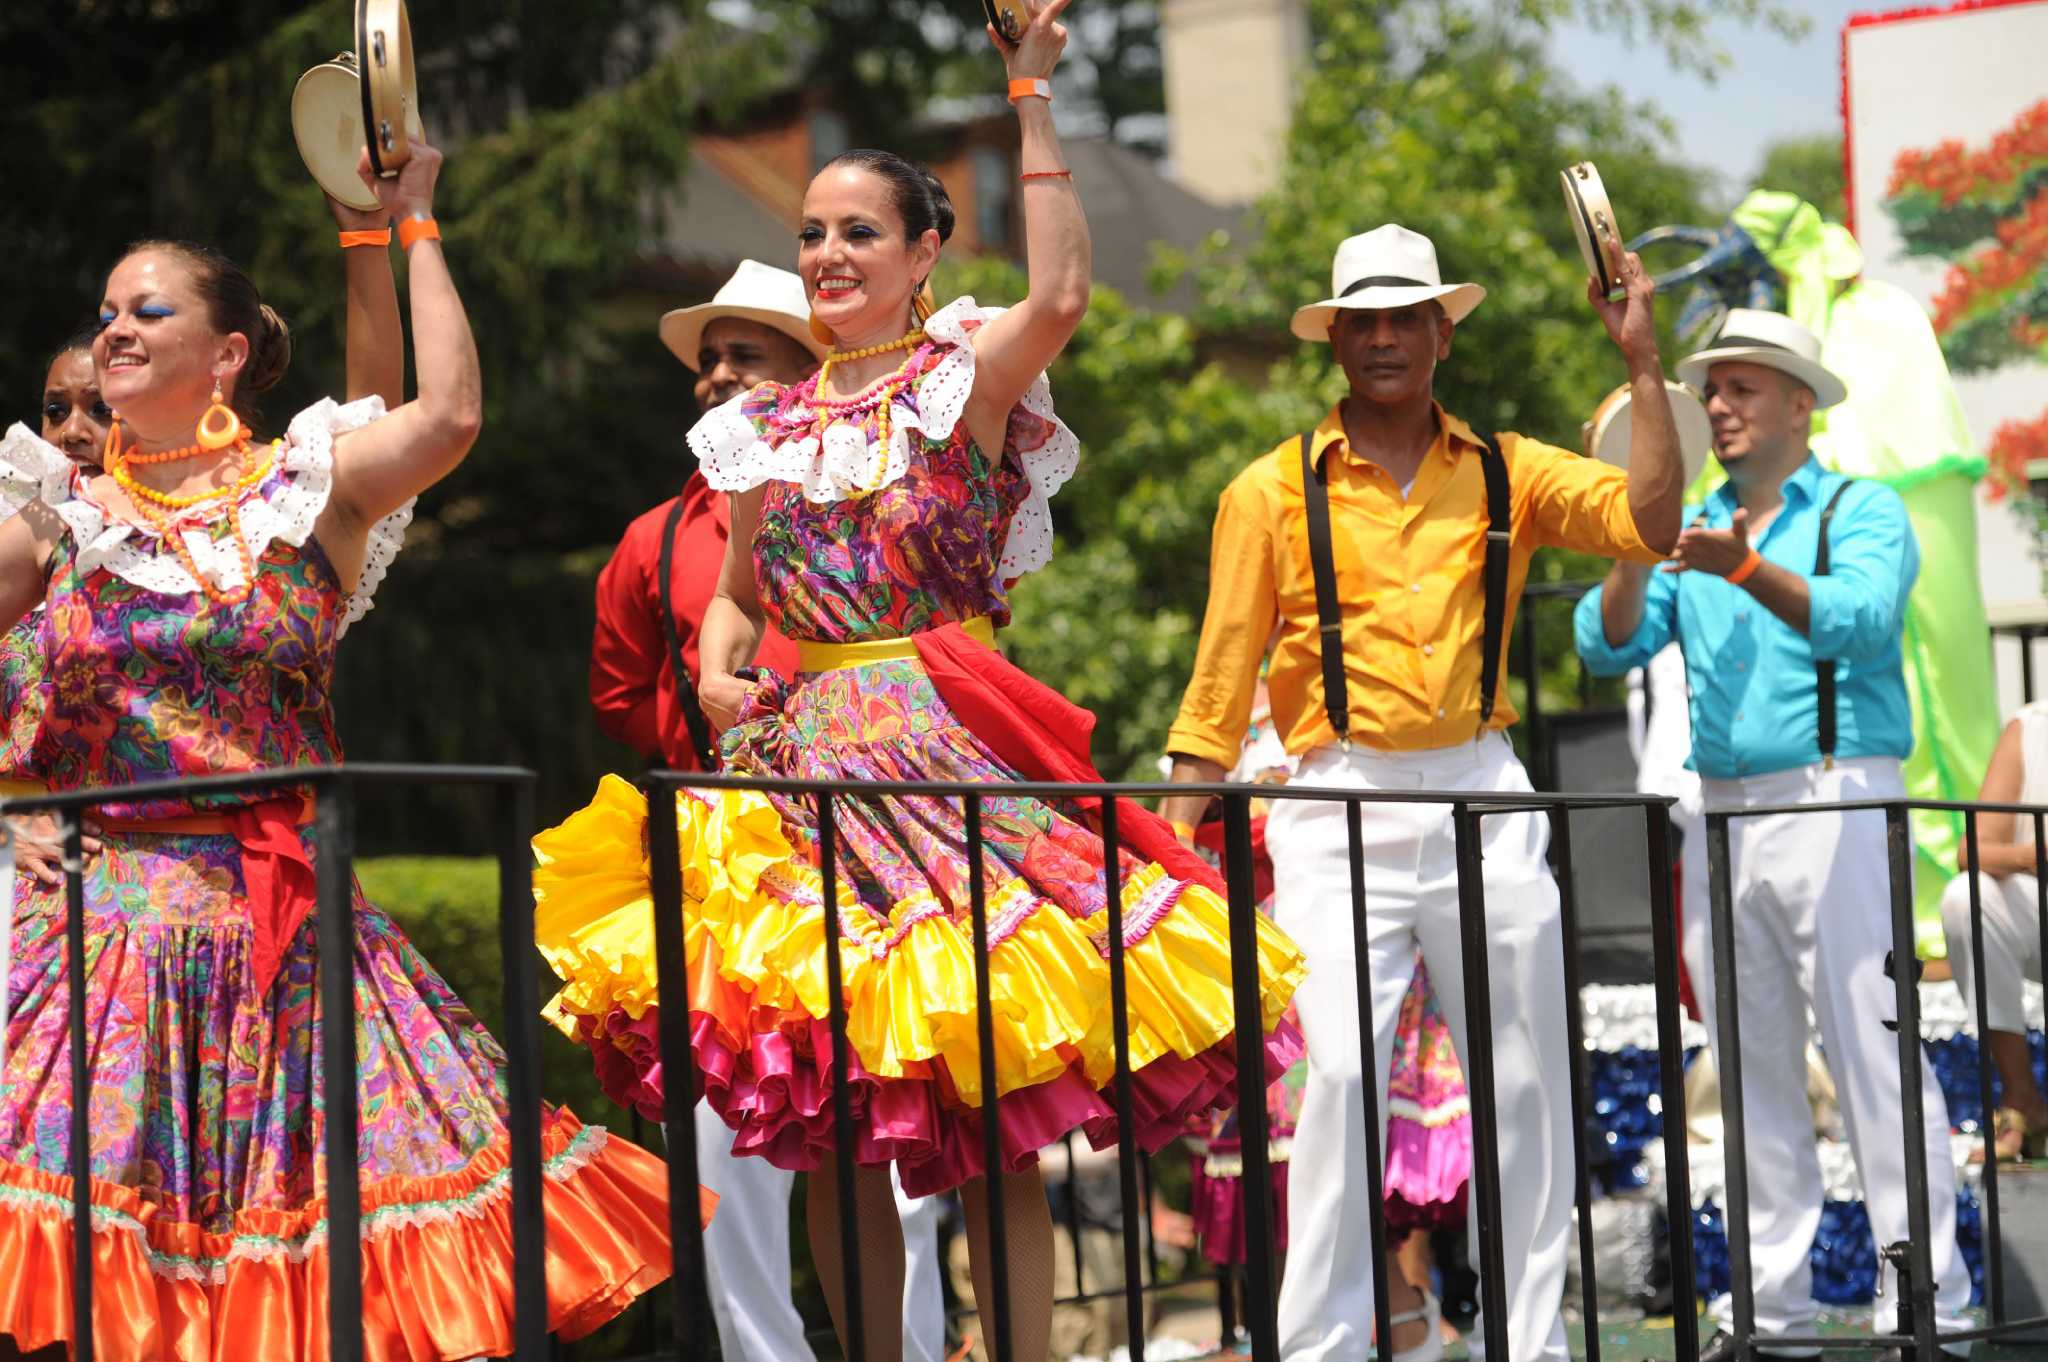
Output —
(1043, 736)
(278, 878)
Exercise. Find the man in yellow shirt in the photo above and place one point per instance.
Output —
(1409, 702)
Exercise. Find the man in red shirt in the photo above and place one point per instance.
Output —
(755, 330)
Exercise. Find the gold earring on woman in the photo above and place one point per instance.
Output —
(220, 427)
(922, 303)
(822, 332)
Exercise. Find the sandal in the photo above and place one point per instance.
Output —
(2033, 1140)
(1431, 1314)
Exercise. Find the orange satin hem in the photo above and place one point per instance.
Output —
(437, 1261)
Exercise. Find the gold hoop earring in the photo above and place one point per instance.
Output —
(220, 427)
(922, 303)
(822, 333)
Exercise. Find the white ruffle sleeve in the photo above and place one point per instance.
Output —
(735, 451)
(32, 470)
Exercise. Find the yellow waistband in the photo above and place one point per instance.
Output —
(12, 787)
(831, 657)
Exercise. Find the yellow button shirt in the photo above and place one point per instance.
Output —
(1408, 574)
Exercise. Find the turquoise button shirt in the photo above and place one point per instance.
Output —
(1754, 703)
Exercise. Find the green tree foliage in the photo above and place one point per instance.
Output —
(1810, 167)
(1457, 130)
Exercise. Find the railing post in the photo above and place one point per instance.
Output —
(1126, 1142)
(1734, 1139)
(1479, 1081)
(1664, 951)
(1913, 1111)
(81, 1089)
(1574, 1030)
(842, 1095)
(522, 1078)
(999, 1349)
(334, 817)
(1368, 1057)
(1256, 1183)
(678, 1069)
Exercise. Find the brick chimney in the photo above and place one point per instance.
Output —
(1231, 67)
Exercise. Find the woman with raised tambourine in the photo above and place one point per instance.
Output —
(194, 582)
(880, 512)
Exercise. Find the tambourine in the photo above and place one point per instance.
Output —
(327, 121)
(390, 88)
(1592, 218)
(1609, 434)
(1010, 17)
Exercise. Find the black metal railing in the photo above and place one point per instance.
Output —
(1468, 809)
(334, 792)
(1918, 1327)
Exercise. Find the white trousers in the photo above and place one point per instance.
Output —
(1812, 901)
(746, 1258)
(2012, 945)
(1326, 1304)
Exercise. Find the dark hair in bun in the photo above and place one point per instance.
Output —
(233, 304)
(920, 198)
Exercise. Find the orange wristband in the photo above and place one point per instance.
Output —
(1034, 88)
(380, 237)
(413, 230)
(1746, 569)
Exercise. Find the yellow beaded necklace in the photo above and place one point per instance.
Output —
(908, 341)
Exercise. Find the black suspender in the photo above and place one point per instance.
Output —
(1824, 670)
(1498, 522)
(686, 692)
(1330, 609)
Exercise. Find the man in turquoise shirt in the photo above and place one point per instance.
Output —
(1754, 614)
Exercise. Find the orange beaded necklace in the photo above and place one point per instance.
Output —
(162, 509)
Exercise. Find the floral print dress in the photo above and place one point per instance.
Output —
(884, 522)
(206, 1109)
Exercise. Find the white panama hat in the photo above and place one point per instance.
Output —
(1387, 267)
(755, 293)
(1773, 340)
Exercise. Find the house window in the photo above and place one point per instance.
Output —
(994, 197)
(829, 137)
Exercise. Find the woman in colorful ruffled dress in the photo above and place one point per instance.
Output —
(75, 418)
(880, 510)
(193, 595)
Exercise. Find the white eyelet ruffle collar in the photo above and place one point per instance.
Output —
(32, 470)
(735, 456)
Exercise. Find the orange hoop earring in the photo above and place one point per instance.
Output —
(220, 427)
(821, 332)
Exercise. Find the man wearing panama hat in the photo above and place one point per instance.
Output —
(643, 664)
(1419, 531)
(1788, 596)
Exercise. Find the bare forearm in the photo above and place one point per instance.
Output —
(1656, 470)
(1058, 253)
(450, 376)
(1621, 602)
(731, 636)
(1782, 593)
(1189, 808)
(376, 335)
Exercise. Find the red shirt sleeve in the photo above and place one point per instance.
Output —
(628, 654)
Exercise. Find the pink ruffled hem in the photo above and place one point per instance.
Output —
(778, 1098)
(1428, 1167)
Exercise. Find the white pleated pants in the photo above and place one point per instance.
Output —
(1326, 1303)
(2012, 945)
(747, 1263)
(1812, 901)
